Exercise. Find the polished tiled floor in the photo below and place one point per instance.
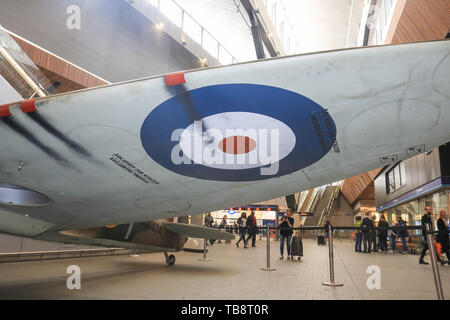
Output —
(231, 274)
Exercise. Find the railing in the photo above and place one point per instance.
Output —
(187, 30)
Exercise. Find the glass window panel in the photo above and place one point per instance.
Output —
(288, 45)
(281, 32)
(210, 44)
(153, 2)
(439, 202)
(192, 29)
(397, 177)
(402, 173)
(274, 14)
(391, 181)
(379, 35)
(171, 11)
(224, 56)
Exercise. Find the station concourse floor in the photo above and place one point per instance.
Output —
(231, 274)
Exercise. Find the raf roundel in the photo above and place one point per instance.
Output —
(237, 132)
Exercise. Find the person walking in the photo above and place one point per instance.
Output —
(367, 225)
(382, 233)
(402, 233)
(241, 222)
(358, 234)
(252, 228)
(426, 219)
(442, 236)
(286, 231)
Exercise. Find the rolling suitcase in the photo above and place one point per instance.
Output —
(297, 247)
(321, 240)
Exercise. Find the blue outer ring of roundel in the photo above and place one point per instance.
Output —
(314, 129)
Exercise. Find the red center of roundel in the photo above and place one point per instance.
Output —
(237, 145)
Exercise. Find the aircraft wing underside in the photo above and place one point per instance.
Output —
(130, 152)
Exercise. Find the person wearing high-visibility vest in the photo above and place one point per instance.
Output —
(358, 234)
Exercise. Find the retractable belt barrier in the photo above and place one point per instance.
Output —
(427, 233)
(323, 228)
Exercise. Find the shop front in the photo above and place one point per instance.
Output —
(265, 214)
(411, 209)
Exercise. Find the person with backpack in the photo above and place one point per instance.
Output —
(402, 233)
(241, 222)
(367, 225)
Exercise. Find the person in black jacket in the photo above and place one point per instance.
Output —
(442, 236)
(252, 228)
(426, 218)
(382, 233)
(285, 228)
(367, 225)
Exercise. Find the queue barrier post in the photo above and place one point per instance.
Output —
(268, 268)
(204, 251)
(331, 283)
(434, 265)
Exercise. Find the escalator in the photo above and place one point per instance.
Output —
(322, 205)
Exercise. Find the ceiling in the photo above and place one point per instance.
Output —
(317, 24)
(324, 24)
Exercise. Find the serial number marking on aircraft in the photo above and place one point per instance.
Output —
(129, 167)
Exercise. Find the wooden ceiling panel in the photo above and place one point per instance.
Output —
(423, 20)
(59, 67)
